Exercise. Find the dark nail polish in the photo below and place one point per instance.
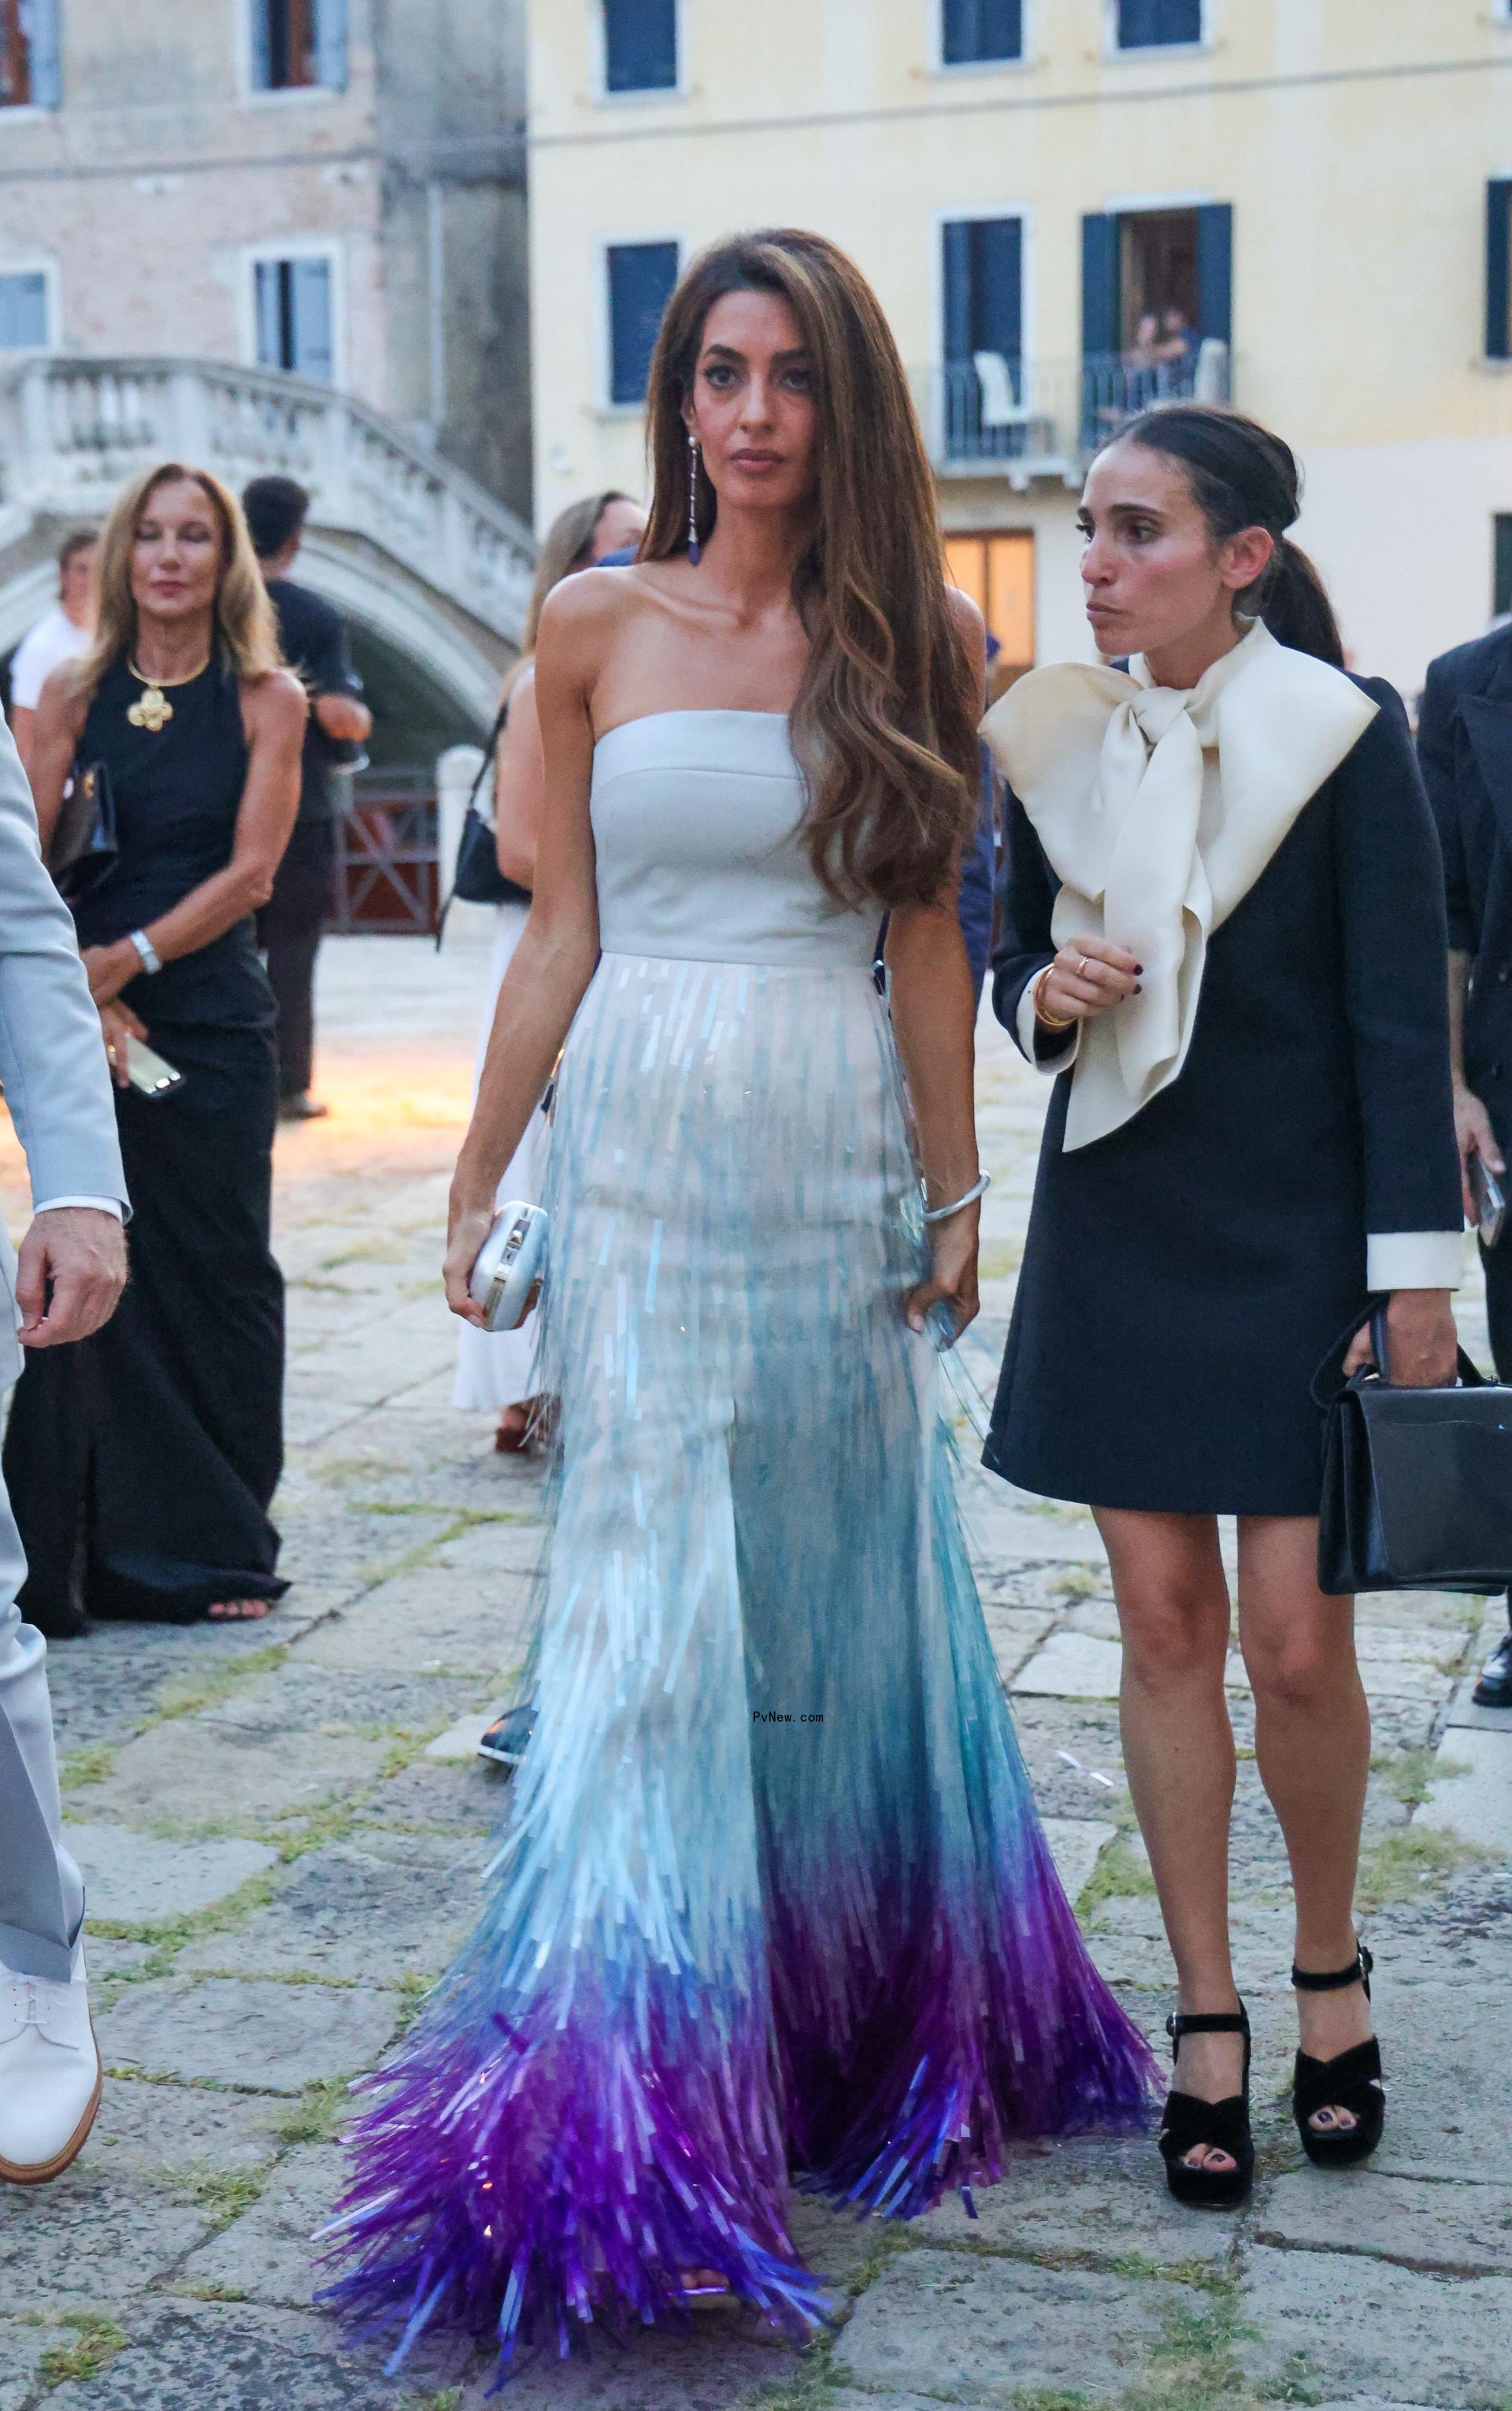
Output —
(1139, 988)
(1138, 970)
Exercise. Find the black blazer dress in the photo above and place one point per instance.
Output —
(1184, 1276)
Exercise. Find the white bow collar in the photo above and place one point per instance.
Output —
(1158, 811)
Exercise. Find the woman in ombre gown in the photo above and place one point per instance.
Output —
(772, 1902)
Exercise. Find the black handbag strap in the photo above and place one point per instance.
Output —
(1328, 1381)
(488, 753)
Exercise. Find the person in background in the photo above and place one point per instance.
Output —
(1465, 745)
(314, 638)
(64, 1284)
(142, 1462)
(493, 1368)
(61, 634)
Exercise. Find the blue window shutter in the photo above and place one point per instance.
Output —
(1216, 271)
(640, 44)
(330, 43)
(984, 287)
(1151, 24)
(311, 320)
(640, 278)
(260, 12)
(974, 30)
(24, 314)
(1499, 269)
(957, 284)
(268, 294)
(1100, 286)
(39, 24)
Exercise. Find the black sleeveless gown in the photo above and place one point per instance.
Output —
(141, 1462)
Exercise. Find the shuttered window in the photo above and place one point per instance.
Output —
(1157, 24)
(977, 30)
(298, 43)
(1501, 566)
(29, 77)
(983, 264)
(640, 278)
(1499, 269)
(23, 311)
(295, 318)
(640, 44)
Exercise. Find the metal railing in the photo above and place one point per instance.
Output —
(72, 431)
(1024, 419)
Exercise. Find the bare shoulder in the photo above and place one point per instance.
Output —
(970, 625)
(276, 703)
(582, 620)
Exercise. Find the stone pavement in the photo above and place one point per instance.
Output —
(283, 1828)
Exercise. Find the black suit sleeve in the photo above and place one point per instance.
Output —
(1390, 887)
(1436, 756)
(1026, 898)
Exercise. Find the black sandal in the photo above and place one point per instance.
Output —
(1351, 2081)
(1222, 2126)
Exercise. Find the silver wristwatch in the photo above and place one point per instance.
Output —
(151, 960)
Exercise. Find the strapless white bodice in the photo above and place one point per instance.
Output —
(695, 823)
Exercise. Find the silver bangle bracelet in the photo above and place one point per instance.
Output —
(979, 1189)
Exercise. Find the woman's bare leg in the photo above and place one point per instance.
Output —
(1312, 1744)
(1179, 1752)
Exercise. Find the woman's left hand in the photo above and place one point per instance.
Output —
(952, 1272)
(1421, 1341)
(110, 968)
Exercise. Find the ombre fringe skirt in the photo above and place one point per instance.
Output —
(772, 1903)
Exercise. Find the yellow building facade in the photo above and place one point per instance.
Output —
(1310, 198)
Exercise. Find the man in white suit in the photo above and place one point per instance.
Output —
(63, 1284)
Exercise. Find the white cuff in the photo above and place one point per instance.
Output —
(1043, 1058)
(1414, 1260)
(99, 1205)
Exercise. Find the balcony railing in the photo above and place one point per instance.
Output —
(1020, 418)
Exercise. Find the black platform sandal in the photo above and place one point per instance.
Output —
(1222, 2126)
(1351, 2081)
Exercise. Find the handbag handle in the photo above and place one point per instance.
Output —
(1329, 1381)
(488, 751)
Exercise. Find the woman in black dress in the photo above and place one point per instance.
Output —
(142, 1462)
(1223, 930)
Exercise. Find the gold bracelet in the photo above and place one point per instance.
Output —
(1049, 1020)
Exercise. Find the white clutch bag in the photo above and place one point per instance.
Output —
(510, 1264)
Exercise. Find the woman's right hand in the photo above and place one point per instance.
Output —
(119, 1025)
(1086, 978)
(467, 1228)
(1474, 1135)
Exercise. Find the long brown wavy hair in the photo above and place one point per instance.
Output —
(884, 724)
(246, 628)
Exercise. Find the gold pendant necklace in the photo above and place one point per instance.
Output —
(152, 710)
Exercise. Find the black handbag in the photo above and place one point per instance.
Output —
(83, 850)
(476, 877)
(1416, 1483)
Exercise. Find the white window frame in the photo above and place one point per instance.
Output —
(951, 68)
(1113, 48)
(295, 246)
(650, 94)
(35, 264)
(253, 94)
(604, 406)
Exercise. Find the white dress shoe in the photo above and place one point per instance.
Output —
(49, 2073)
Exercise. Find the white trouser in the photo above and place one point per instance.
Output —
(41, 1893)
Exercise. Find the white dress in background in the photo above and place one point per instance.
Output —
(493, 1368)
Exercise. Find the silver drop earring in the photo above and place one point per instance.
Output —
(695, 550)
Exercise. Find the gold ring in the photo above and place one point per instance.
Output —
(1081, 968)
(111, 1051)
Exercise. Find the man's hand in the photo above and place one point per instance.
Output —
(81, 1253)
(1474, 1132)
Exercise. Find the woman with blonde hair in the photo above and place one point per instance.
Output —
(143, 1460)
(772, 1894)
(493, 1369)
